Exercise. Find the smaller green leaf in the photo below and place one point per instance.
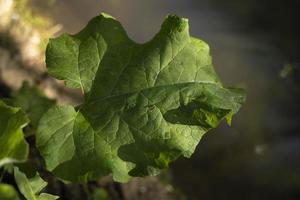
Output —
(31, 188)
(99, 194)
(7, 192)
(13, 147)
(32, 100)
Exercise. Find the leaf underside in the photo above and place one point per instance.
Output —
(144, 104)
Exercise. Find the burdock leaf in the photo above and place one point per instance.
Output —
(145, 104)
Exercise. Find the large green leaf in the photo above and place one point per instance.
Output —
(31, 188)
(7, 192)
(13, 147)
(145, 104)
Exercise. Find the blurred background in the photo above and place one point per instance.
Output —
(255, 45)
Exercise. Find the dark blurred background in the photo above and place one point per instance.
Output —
(255, 45)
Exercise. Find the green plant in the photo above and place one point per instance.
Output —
(144, 104)
(13, 147)
(31, 188)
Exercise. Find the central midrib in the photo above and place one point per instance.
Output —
(149, 88)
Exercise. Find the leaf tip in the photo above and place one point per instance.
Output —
(105, 15)
(175, 23)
